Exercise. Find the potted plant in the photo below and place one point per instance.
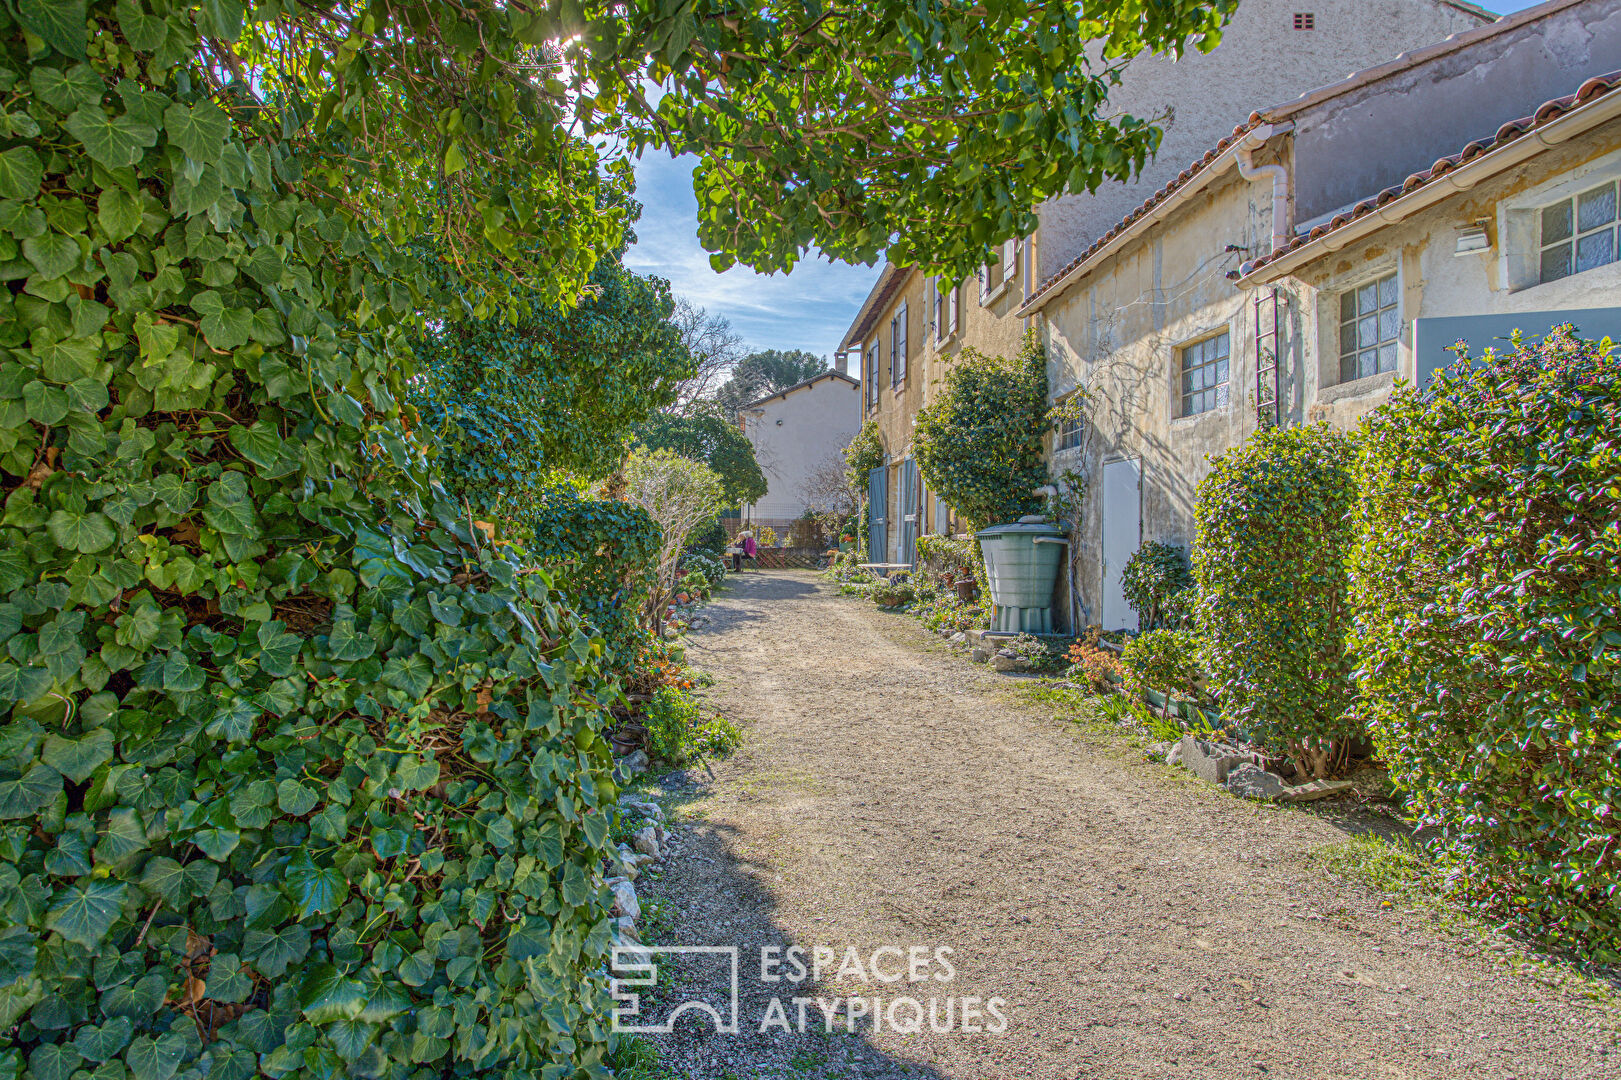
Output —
(979, 446)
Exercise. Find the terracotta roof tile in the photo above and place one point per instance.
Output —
(1546, 113)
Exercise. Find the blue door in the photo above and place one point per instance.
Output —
(877, 508)
(908, 509)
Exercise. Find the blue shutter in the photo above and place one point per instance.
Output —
(877, 507)
(907, 511)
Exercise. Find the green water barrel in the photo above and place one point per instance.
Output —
(1022, 561)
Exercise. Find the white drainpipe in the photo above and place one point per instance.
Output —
(1280, 179)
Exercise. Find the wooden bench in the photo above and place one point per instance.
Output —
(884, 569)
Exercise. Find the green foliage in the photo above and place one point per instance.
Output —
(979, 443)
(1487, 583)
(764, 373)
(279, 728)
(1273, 534)
(679, 494)
(510, 405)
(1036, 654)
(1166, 661)
(1153, 580)
(946, 612)
(679, 733)
(706, 435)
(928, 132)
(603, 553)
(703, 568)
(708, 538)
(895, 591)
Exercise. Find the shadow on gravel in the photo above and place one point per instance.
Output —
(724, 612)
(706, 896)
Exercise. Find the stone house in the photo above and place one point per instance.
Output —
(796, 434)
(1326, 248)
(1272, 49)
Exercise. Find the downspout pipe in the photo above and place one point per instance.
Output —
(1276, 172)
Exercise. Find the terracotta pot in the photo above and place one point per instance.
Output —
(966, 588)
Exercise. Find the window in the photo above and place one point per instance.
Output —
(937, 304)
(1370, 323)
(897, 348)
(1305, 20)
(953, 315)
(1579, 234)
(871, 353)
(1204, 375)
(1070, 433)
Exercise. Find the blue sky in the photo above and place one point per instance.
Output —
(809, 308)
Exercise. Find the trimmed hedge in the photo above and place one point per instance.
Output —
(1157, 581)
(1487, 580)
(1269, 560)
(603, 553)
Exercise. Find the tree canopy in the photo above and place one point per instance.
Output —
(705, 435)
(769, 371)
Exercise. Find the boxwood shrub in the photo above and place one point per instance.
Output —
(1487, 579)
(1269, 562)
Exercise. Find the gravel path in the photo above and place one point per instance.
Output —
(1136, 923)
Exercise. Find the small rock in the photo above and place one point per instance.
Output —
(647, 842)
(1009, 653)
(625, 897)
(624, 863)
(959, 637)
(1254, 782)
(633, 763)
(624, 929)
(1173, 756)
(1004, 662)
(979, 656)
(650, 810)
(1210, 761)
(1315, 789)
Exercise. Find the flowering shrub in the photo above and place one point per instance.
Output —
(946, 612)
(1153, 581)
(1097, 667)
(1485, 577)
(1273, 534)
(979, 443)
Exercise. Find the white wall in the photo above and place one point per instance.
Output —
(794, 435)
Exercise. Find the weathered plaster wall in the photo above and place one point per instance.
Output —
(1117, 332)
(1374, 137)
(1262, 60)
(896, 406)
(794, 436)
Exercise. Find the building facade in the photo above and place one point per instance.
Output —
(1262, 287)
(797, 434)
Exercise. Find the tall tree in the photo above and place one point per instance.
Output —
(767, 372)
(706, 434)
(715, 346)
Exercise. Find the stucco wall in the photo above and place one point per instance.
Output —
(794, 435)
(896, 406)
(1376, 136)
(1262, 60)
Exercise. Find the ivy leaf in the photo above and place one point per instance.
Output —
(76, 759)
(315, 889)
(17, 953)
(144, 32)
(199, 130)
(53, 1061)
(217, 843)
(295, 798)
(20, 173)
(259, 444)
(180, 674)
(52, 254)
(326, 994)
(350, 1037)
(84, 533)
(154, 1059)
(119, 214)
(28, 794)
(347, 644)
(59, 23)
(272, 951)
(83, 913)
(111, 141)
(103, 1043)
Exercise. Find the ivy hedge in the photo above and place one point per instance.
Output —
(300, 774)
(1271, 609)
(603, 553)
(1487, 580)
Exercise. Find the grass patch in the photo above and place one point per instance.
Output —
(634, 1058)
(1394, 866)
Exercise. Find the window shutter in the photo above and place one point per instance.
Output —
(900, 343)
(951, 302)
(1010, 252)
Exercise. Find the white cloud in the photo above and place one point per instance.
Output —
(809, 308)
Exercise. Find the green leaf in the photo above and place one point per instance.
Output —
(143, 31)
(53, 1061)
(119, 214)
(84, 533)
(315, 889)
(454, 161)
(217, 844)
(20, 173)
(76, 759)
(83, 913)
(271, 951)
(180, 674)
(67, 90)
(52, 254)
(295, 798)
(28, 794)
(350, 1037)
(199, 130)
(326, 994)
(103, 1043)
(111, 141)
(59, 23)
(17, 953)
(347, 644)
(260, 444)
(155, 1059)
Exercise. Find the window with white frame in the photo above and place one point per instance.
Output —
(1579, 233)
(1204, 367)
(897, 348)
(1370, 325)
(1071, 432)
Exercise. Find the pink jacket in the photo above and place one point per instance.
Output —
(749, 547)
